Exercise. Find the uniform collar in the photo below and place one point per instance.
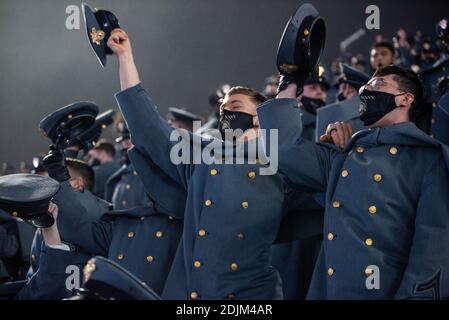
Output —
(405, 134)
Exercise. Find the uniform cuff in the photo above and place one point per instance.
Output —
(61, 246)
(129, 92)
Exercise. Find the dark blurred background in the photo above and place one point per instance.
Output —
(184, 51)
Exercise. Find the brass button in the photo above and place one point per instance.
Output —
(142, 218)
(213, 172)
(120, 257)
(208, 203)
(202, 232)
(369, 271)
(150, 259)
(231, 296)
(234, 266)
(170, 218)
(330, 236)
(369, 242)
(360, 149)
(433, 120)
(130, 234)
(135, 173)
(240, 236)
(124, 203)
(33, 257)
(251, 175)
(128, 186)
(372, 209)
(15, 214)
(194, 295)
(434, 104)
(393, 150)
(245, 205)
(197, 264)
(377, 177)
(159, 234)
(69, 116)
(345, 173)
(336, 204)
(330, 271)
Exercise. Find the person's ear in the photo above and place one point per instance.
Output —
(256, 122)
(406, 100)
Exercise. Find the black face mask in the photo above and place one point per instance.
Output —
(375, 104)
(234, 120)
(312, 104)
(341, 97)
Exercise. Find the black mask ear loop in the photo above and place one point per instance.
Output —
(397, 95)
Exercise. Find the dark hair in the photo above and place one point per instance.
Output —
(106, 146)
(83, 170)
(254, 95)
(408, 81)
(385, 44)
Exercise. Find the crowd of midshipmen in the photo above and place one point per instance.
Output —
(104, 178)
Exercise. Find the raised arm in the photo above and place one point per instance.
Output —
(77, 226)
(305, 163)
(150, 133)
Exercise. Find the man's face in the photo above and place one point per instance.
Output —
(94, 154)
(381, 57)
(403, 100)
(241, 103)
(271, 89)
(347, 90)
(314, 91)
